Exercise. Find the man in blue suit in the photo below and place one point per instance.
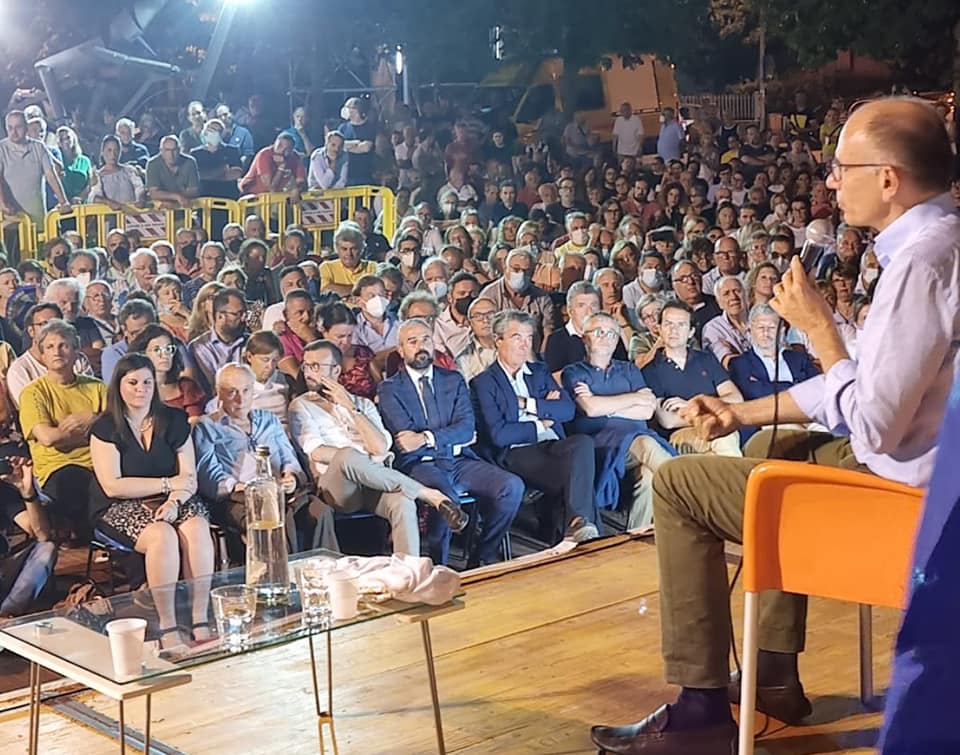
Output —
(427, 410)
(520, 411)
(754, 370)
(922, 696)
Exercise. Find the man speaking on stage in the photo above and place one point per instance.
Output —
(891, 172)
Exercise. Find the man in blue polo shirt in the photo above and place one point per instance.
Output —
(613, 404)
(677, 373)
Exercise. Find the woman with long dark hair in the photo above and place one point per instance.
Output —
(359, 374)
(146, 496)
(175, 389)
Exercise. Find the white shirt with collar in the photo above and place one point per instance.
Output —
(785, 375)
(312, 426)
(529, 412)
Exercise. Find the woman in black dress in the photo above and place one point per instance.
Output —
(144, 462)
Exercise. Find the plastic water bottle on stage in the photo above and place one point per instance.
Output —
(267, 564)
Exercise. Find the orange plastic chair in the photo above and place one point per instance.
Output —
(826, 532)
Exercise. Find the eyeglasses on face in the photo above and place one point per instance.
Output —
(164, 350)
(315, 366)
(607, 335)
(837, 168)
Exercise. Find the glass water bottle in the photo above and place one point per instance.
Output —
(267, 564)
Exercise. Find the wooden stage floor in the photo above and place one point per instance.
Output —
(536, 658)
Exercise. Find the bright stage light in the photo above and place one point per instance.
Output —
(399, 60)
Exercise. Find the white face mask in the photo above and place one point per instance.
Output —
(579, 236)
(517, 281)
(376, 307)
(870, 274)
(438, 288)
(83, 279)
(212, 138)
(408, 259)
(164, 268)
(781, 263)
(345, 113)
(651, 278)
(635, 240)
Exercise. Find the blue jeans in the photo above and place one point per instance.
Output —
(498, 492)
(29, 583)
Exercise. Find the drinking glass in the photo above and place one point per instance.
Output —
(234, 607)
(312, 576)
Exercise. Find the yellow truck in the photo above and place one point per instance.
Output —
(649, 86)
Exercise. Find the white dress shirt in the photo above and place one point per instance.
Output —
(529, 412)
(312, 426)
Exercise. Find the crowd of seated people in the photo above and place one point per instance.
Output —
(456, 361)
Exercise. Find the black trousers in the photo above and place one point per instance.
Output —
(70, 489)
(563, 469)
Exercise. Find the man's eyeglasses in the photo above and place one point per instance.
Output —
(482, 316)
(167, 350)
(235, 315)
(315, 366)
(688, 279)
(603, 333)
(837, 167)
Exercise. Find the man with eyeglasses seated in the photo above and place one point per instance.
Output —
(566, 344)
(223, 343)
(613, 405)
(225, 441)
(688, 287)
(481, 351)
(349, 451)
(677, 373)
(521, 411)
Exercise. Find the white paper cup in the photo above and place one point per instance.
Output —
(343, 595)
(126, 645)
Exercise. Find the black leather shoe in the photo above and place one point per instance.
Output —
(649, 737)
(786, 703)
(456, 518)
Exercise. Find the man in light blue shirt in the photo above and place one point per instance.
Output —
(892, 171)
(671, 138)
(224, 342)
(225, 442)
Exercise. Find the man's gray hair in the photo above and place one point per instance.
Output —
(589, 323)
(58, 327)
(435, 260)
(581, 288)
(502, 319)
(606, 271)
(675, 270)
(143, 252)
(721, 280)
(716, 244)
(348, 231)
(520, 251)
(415, 321)
(576, 215)
(80, 254)
(417, 296)
(762, 310)
(232, 366)
(71, 284)
(128, 122)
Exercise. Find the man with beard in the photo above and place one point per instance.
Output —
(349, 451)
(432, 440)
(224, 342)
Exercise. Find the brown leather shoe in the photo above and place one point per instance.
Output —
(786, 703)
(650, 737)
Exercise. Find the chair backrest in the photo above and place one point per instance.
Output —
(829, 532)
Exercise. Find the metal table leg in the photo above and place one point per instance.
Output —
(431, 672)
(123, 730)
(146, 730)
(34, 709)
(324, 716)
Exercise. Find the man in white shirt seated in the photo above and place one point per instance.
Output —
(349, 450)
(28, 366)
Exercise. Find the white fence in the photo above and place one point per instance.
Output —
(742, 107)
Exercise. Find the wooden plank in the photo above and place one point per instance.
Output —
(535, 659)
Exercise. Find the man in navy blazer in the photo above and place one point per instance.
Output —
(427, 410)
(520, 413)
(753, 371)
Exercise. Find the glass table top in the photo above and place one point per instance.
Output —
(78, 634)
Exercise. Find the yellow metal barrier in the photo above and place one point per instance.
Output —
(319, 212)
(27, 237)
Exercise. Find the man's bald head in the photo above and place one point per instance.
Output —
(906, 133)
